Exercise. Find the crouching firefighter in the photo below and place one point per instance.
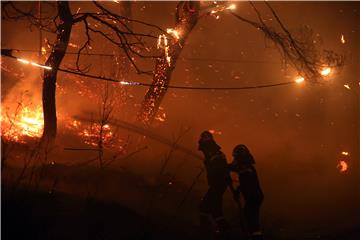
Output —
(218, 178)
(243, 164)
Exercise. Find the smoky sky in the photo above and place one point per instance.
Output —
(295, 132)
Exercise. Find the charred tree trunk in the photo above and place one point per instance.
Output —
(54, 61)
(186, 18)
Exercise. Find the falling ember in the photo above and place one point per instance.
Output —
(325, 71)
(299, 80)
(345, 153)
(347, 86)
(28, 122)
(342, 166)
(342, 39)
(33, 63)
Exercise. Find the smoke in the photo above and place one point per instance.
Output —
(294, 132)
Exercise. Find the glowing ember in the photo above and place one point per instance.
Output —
(299, 80)
(222, 8)
(163, 43)
(28, 122)
(231, 7)
(161, 117)
(94, 135)
(345, 153)
(43, 50)
(73, 45)
(347, 86)
(325, 71)
(212, 131)
(33, 64)
(342, 39)
(174, 32)
(343, 166)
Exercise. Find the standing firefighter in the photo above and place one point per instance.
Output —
(218, 179)
(243, 164)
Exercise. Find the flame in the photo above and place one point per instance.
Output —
(91, 134)
(299, 80)
(343, 166)
(163, 43)
(325, 71)
(174, 32)
(222, 8)
(231, 7)
(28, 122)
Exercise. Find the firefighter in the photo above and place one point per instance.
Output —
(243, 164)
(218, 178)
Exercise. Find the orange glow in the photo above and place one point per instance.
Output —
(342, 39)
(299, 80)
(28, 122)
(347, 86)
(43, 50)
(212, 131)
(231, 7)
(326, 71)
(174, 32)
(345, 153)
(33, 63)
(343, 166)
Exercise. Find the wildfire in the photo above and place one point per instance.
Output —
(28, 122)
(93, 133)
(343, 166)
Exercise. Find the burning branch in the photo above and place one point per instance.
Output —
(301, 51)
(114, 28)
(186, 19)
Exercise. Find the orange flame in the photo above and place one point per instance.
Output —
(28, 122)
(343, 166)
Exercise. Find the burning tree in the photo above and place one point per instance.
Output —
(114, 28)
(187, 14)
(153, 43)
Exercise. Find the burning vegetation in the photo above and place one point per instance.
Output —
(101, 73)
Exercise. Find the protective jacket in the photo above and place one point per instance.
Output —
(217, 170)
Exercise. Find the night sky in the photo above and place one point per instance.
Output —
(296, 132)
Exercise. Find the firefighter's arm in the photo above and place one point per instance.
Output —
(233, 167)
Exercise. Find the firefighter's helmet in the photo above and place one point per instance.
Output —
(207, 142)
(242, 154)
